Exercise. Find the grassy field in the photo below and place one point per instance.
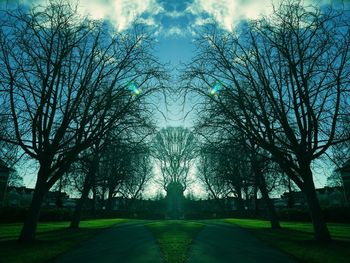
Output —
(175, 238)
(296, 239)
(52, 239)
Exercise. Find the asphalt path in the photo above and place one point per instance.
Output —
(125, 243)
(134, 243)
(220, 243)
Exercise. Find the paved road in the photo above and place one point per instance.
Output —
(133, 243)
(129, 243)
(228, 244)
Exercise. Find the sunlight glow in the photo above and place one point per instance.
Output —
(134, 90)
(215, 90)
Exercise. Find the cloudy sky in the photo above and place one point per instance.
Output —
(174, 23)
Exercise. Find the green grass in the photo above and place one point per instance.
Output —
(296, 239)
(52, 239)
(174, 238)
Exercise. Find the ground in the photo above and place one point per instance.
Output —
(175, 241)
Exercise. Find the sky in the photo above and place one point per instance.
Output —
(174, 24)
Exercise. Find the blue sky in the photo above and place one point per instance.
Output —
(174, 21)
(174, 24)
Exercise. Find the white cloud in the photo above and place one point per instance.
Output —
(175, 14)
(227, 13)
(174, 31)
(121, 13)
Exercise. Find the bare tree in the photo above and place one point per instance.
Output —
(119, 166)
(282, 79)
(126, 169)
(67, 81)
(175, 149)
(237, 164)
(86, 169)
(208, 167)
(115, 167)
(142, 173)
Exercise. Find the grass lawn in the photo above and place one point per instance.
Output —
(296, 239)
(53, 239)
(174, 238)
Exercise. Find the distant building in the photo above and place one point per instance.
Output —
(51, 199)
(280, 203)
(327, 196)
(297, 197)
(21, 197)
(345, 174)
(18, 196)
(231, 203)
(331, 196)
(119, 203)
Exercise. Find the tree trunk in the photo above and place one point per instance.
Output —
(102, 202)
(240, 205)
(247, 199)
(29, 227)
(256, 203)
(88, 183)
(275, 224)
(59, 203)
(290, 197)
(94, 200)
(75, 222)
(109, 205)
(321, 232)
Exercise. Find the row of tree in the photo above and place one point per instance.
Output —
(276, 89)
(273, 97)
(119, 167)
(73, 95)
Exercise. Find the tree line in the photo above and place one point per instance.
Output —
(73, 98)
(273, 91)
(272, 99)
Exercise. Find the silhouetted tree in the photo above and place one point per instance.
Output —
(174, 149)
(283, 80)
(67, 81)
(142, 173)
(88, 165)
(236, 165)
(208, 172)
